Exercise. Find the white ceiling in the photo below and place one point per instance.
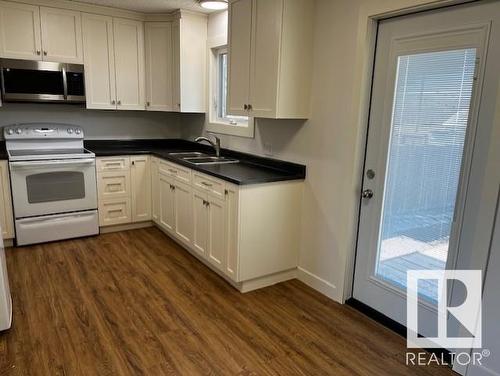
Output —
(149, 6)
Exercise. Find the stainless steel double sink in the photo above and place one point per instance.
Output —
(199, 158)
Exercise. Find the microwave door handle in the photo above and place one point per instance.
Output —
(65, 82)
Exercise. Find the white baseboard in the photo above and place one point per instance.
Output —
(319, 284)
(267, 280)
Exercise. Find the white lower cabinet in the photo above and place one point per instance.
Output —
(249, 234)
(6, 215)
(124, 189)
(166, 202)
(183, 203)
(200, 223)
(140, 179)
(216, 232)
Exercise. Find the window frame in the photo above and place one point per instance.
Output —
(215, 123)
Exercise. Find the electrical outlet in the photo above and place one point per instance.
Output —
(268, 148)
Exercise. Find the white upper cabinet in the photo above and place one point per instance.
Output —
(40, 33)
(129, 64)
(240, 24)
(61, 35)
(270, 58)
(159, 60)
(114, 63)
(99, 60)
(20, 31)
(189, 42)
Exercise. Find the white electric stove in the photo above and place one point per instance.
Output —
(53, 181)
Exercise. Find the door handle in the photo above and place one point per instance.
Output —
(367, 193)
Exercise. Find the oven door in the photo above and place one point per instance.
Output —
(54, 186)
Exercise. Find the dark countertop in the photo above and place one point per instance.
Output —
(250, 170)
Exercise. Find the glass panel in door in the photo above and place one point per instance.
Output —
(430, 114)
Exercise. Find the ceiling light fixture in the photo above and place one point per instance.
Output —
(214, 4)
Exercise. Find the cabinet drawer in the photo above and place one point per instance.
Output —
(182, 174)
(114, 212)
(211, 185)
(113, 184)
(113, 163)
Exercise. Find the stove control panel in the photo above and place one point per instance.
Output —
(40, 131)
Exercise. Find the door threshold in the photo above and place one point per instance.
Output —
(394, 326)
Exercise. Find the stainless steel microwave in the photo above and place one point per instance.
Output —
(41, 81)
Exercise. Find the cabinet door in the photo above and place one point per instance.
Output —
(240, 30)
(217, 232)
(129, 64)
(183, 212)
(200, 222)
(264, 67)
(20, 31)
(167, 205)
(159, 60)
(99, 61)
(176, 64)
(231, 243)
(155, 192)
(61, 35)
(140, 176)
(6, 216)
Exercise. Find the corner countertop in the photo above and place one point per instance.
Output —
(250, 170)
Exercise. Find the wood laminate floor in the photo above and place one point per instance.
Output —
(135, 303)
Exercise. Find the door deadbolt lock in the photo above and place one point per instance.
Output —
(367, 193)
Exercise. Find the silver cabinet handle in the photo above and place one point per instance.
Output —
(245, 106)
(38, 52)
(148, 104)
(119, 103)
(206, 184)
(44, 53)
(367, 193)
(250, 107)
(113, 102)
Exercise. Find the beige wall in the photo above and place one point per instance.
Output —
(331, 142)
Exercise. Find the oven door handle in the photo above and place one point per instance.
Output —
(62, 162)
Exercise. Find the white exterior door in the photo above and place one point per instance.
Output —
(425, 121)
(490, 366)
(159, 63)
(240, 36)
(129, 64)
(140, 179)
(61, 35)
(99, 61)
(20, 31)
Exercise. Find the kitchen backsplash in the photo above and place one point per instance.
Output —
(97, 124)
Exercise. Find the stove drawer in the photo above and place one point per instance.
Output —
(56, 227)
